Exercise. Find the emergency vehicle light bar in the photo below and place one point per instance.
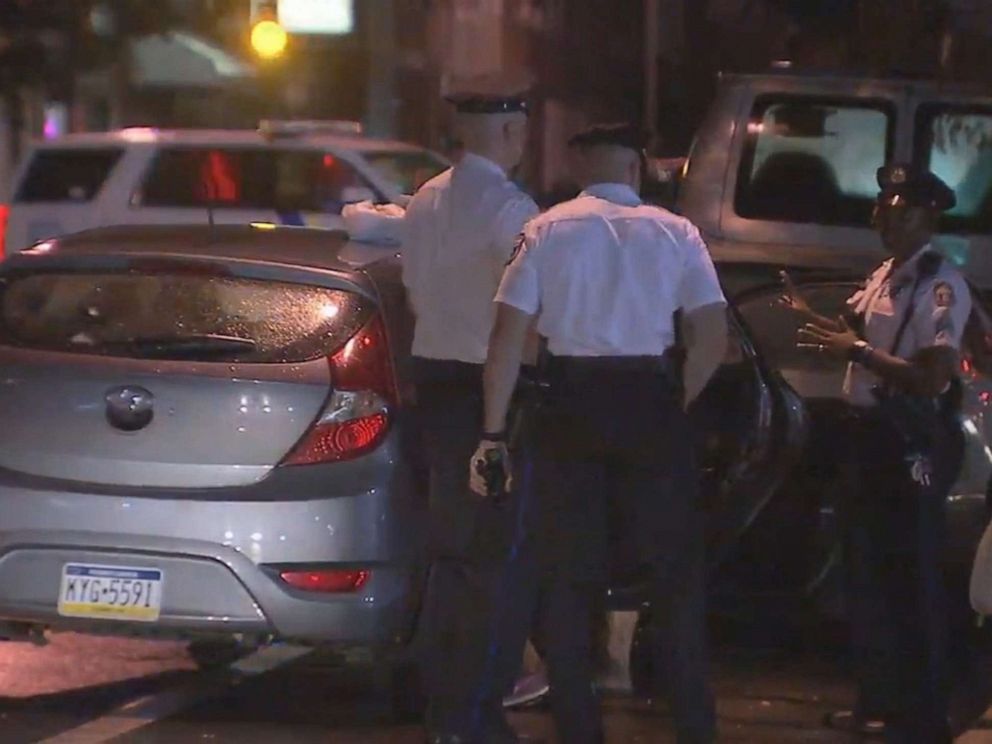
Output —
(275, 128)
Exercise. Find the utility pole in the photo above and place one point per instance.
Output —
(381, 90)
(652, 17)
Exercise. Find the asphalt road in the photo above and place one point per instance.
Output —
(83, 690)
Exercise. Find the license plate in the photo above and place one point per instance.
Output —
(110, 592)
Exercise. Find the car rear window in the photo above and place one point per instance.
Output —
(60, 175)
(177, 316)
(955, 142)
(251, 178)
(813, 160)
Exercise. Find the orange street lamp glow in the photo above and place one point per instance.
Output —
(268, 39)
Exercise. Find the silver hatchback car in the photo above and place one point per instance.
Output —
(201, 438)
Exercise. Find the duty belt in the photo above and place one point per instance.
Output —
(657, 364)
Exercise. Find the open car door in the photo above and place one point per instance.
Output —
(749, 427)
(796, 538)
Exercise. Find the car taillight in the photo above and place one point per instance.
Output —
(327, 582)
(356, 417)
(4, 215)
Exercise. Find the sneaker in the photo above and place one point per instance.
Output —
(847, 720)
(528, 690)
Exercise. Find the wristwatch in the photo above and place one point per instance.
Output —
(860, 352)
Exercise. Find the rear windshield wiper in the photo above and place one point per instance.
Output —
(191, 346)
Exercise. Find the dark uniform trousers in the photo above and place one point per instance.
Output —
(607, 430)
(468, 542)
(894, 541)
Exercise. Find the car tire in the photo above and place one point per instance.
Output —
(404, 688)
(216, 653)
(970, 668)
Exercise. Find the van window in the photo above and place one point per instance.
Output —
(813, 160)
(249, 178)
(67, 175)
(956, 144)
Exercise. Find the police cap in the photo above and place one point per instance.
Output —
(911, 186)
(625, 135)
(484, 103)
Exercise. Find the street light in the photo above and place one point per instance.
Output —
(268, 37)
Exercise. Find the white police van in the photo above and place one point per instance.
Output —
(294, 172)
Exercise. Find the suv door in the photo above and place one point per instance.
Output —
(242, 184)
(58, 190)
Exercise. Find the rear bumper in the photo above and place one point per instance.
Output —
(217, 560)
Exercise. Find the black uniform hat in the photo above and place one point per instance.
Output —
(620, 135)
(484, 103)
(911, 186)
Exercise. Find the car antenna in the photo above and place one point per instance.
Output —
(210, 202)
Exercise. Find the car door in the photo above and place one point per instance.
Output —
(794, 544)
(748, 428)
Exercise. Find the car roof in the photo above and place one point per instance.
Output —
(228, 138)
(850, 82)
(302, 247)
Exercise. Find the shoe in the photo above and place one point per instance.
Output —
(847, 720)
(528, 690)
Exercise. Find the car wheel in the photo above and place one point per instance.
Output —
(970, 665)
(404, 688)
(215, 653)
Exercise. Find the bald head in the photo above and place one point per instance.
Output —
(499, 137)
(607, 163)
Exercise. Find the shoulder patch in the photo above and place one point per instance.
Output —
(943, 294)
(517, 247)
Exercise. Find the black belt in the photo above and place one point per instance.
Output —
(445, 372)
(606, 364)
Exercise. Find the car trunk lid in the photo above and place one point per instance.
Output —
(173, 374)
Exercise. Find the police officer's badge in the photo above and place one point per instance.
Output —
(943, 294)
(517, 247)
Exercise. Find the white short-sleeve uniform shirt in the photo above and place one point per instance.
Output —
(458, 233)
(605, 274)
(942, 304)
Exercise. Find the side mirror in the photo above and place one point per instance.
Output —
(353, 194)
(662, 179)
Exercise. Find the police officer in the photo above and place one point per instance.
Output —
(604, 274)
(907, 450)
(458, 233)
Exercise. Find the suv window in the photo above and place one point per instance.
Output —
(177, 316)
(73, 175)
(249, 178)
(813, 160)
(956, 143)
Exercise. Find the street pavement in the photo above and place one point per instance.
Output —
(84, 690)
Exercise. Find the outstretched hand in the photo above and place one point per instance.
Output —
(837, 342)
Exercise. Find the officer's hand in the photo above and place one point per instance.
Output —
(489, 471)
(792, 298)
(838, 343)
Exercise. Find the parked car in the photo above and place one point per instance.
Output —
(782, 170)
(286, 172)
(207, 435)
